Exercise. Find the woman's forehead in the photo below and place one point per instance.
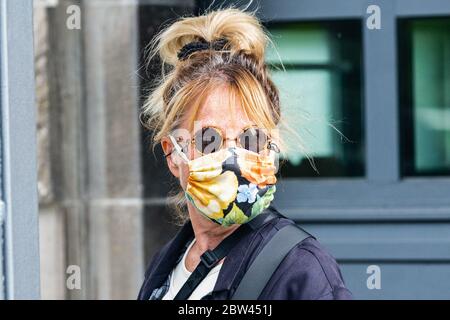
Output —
(220, 109)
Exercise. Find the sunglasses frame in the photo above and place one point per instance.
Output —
(269, 144)
(237, 140)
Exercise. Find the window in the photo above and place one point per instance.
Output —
(424, 61)
(320, 92)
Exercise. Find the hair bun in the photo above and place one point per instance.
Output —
(194, 46)
(242, 31)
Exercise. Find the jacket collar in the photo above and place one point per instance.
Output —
(168, 257)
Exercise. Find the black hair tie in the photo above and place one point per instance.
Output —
(202, 44)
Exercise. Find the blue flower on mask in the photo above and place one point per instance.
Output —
(247, 193)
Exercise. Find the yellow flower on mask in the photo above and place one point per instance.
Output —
(211, 190)
(209, 197)
(207, 167)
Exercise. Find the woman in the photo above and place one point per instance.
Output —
(216, 114)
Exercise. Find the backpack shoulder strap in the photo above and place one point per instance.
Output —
(265, 264)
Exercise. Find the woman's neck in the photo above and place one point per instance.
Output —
(208, 234)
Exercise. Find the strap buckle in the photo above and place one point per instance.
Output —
(209, 258)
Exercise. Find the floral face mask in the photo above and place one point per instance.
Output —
(232, 185)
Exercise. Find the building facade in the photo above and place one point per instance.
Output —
(366, 84)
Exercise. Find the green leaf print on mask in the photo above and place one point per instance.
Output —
(235, 216)
(263, 202)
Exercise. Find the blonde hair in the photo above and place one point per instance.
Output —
(184, 84)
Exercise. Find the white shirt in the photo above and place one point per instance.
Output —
(180, 274)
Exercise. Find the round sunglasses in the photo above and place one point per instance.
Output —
(211, 139)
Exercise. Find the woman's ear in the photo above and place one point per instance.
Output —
(167, 147)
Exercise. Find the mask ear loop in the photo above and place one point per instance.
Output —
(274, 150)
(178, 148)
(272, 146)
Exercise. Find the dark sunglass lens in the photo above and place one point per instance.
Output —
(208, 140)
(253, 139)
